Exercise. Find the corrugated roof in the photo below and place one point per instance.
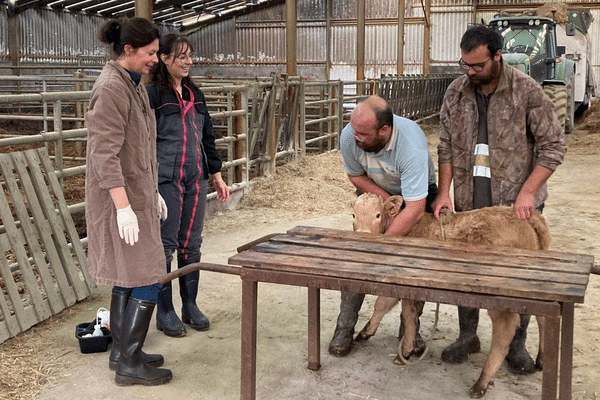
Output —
(186, 15)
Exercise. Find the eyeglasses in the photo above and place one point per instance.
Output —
(476, 67)
(184, 56)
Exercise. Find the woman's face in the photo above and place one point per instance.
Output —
(141, 59)
(178, 62)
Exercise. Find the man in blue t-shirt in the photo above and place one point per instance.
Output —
(386, 155)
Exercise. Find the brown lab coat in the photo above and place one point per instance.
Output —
(121, 151)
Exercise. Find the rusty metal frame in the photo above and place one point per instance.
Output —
(558, 337)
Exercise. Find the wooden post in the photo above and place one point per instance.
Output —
(291, 38)
(271, 134)
(360, 44)
(400, 50)
(328, 40)
(427, 37)
(238, 146)
(143, 9)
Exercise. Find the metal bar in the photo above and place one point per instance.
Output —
(566, 351)
(551, 351)
(319, 120)
(224, 269)
(249, 311)
(314, 328)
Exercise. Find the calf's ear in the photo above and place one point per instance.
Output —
(392, 206)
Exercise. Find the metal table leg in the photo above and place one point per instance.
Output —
(314, 328)
(249, 307)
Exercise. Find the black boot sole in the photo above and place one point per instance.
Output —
(130, 380)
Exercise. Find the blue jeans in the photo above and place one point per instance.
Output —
(148, 293)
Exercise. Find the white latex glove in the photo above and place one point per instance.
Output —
(128, 225)
(162, 208)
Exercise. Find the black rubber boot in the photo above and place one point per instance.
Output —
(420, 344)
(131, 368)
(188, 288)
(167, 320)
(118, 305)
(468, 341)
(518, 359)
(341, 343)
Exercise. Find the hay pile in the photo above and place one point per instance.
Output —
(561, 15)
(315, 185)
(28, 363)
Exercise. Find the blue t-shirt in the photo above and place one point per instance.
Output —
(403, 167)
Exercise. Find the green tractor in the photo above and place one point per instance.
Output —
(531, 45)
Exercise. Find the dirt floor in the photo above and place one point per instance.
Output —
(46, 363)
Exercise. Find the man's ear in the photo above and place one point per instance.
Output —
(392, 206)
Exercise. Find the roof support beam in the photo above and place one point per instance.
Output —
(291, 37)
(143, 9)
(360, 42)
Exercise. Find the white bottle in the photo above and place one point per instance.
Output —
(97, 331)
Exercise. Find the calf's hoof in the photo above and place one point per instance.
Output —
(341, 343)
(458, 352)
(398, 360)
(477, 392)
(520, 362)
(539, 363)
(362, 336)
(420, 346)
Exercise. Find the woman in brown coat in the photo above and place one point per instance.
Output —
(122, 201)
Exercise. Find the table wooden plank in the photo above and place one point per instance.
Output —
(429, 244)
(435, 260)
(411, 276)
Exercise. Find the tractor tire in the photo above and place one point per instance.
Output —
(558, 97)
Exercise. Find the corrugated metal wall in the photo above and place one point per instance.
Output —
(55, 37)
(3, 34)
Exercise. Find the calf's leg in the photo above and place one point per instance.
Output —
(383, 305)
(410, 311)
(419, 342)
(539, 361)
(504, 325)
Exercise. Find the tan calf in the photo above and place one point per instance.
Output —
(496, 226)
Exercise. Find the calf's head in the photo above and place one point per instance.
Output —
(372, 215)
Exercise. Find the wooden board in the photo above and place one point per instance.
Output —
(422, 263)
(40, 236)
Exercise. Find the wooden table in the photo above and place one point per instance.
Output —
(527, 282)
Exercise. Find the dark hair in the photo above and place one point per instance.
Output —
(136, 32)
(171, 43)
(478, 35)
(384, 116)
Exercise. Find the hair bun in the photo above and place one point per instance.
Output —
(114, 34)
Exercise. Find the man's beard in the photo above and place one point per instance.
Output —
(372, 148)
(486, 79)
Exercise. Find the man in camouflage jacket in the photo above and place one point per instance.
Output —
(500, 141)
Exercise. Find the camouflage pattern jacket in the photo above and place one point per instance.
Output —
(523, 131)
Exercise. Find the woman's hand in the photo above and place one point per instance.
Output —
(221, 187)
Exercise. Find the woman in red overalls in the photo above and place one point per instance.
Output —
(186, 155)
